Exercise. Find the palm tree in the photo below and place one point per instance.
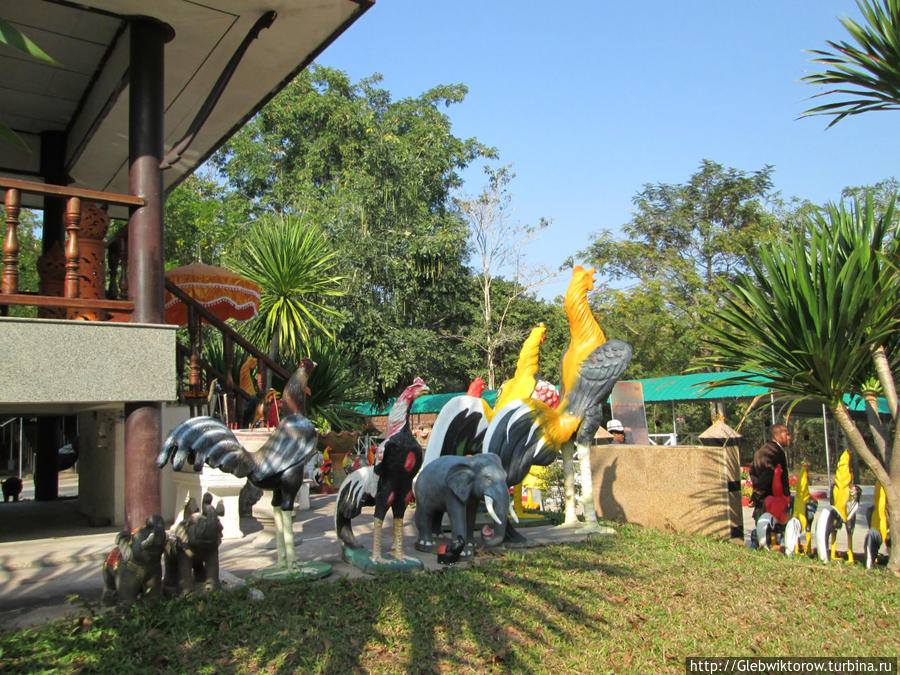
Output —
(818, 317)
(296, 270)
(869, 70)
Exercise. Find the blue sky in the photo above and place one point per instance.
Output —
(588, 101)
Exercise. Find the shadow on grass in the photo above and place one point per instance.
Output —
(500, 611)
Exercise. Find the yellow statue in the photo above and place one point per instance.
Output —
(843, 478)
(801, 498)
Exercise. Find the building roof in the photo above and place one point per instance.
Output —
(86, 95)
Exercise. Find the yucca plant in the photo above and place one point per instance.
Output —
(817, 316)
(868, 71)
(296, 270)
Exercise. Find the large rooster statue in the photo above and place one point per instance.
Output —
(386, 484)
(278, 465)
(297, 388)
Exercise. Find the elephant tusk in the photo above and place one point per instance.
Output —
(512, 514)
(489, 505)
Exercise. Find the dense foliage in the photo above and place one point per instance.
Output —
(376, 176)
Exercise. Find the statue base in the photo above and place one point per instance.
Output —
(362, 559)
(308, 570)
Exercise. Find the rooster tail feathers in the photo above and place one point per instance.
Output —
(357, 491)
(517, 436)
(194, 440)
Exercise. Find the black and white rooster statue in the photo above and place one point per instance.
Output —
(385, 484)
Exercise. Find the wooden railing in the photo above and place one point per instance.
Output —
(71, 298)
(190, 358)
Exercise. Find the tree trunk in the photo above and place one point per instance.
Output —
(273, 354)
(888, 481)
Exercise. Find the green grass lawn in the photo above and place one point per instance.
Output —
(638, 602)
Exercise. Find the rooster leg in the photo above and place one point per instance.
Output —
(279, 536)
(287, 531)
(398, 539)
(376, 541)
(583, 453)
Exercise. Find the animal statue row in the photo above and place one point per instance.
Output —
(520, 431)
(821, 524)
(523, 430)
(134, 568)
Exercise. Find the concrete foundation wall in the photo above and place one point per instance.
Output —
(84, 362)
(101, 466)
(678, 489)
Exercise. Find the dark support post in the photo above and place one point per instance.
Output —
(46, 473)
(143, 421)
(53, 171)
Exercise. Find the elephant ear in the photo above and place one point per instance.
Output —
(460, 479)
(190, 508)
(124, 540)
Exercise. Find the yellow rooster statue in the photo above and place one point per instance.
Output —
(878, 526)
(841, 513)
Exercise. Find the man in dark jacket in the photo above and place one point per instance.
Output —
(770, 455)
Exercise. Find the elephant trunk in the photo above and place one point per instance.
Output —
(498, 509)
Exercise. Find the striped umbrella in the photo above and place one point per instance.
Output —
(224, 293)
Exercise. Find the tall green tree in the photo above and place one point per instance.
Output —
(668, 272)
(863, 73)
(818, 316)
(202, 220)
(376, 175)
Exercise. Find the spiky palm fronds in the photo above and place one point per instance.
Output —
(811, 311)
(868, 71)
(296, 269)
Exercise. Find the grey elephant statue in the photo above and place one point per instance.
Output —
(192, 550)
(455, 485)
(133, 569)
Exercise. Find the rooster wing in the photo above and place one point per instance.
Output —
(516, 435)
(596, 377)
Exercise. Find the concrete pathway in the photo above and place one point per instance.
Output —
(49, 554)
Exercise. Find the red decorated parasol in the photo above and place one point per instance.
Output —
(224, 293)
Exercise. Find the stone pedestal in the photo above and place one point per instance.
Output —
(222, 486)
(676, 489)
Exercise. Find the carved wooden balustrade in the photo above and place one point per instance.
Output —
(72, 297)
